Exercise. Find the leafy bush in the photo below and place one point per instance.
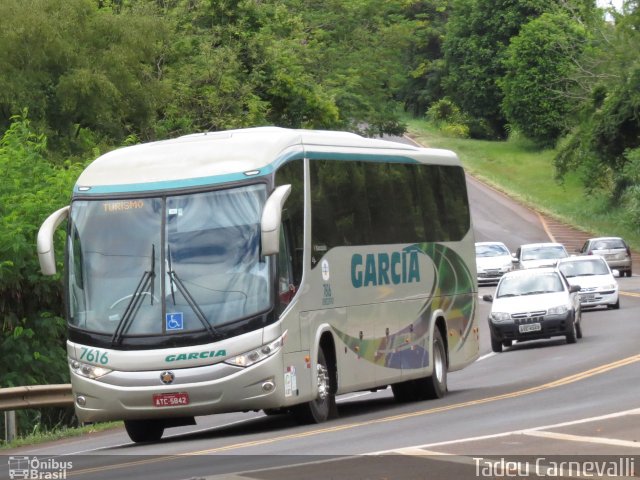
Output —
(631, 196)
(32, 328)
(455, 130)
(447, 116)
(444, 110)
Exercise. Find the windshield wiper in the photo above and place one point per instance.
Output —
(509, 295)
(173, 277)
(136, 300)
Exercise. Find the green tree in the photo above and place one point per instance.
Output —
(478, 33)
(82, 72)
(359, 52)
(32, 327)
(608, 128)
(538, 64)
(426, 58)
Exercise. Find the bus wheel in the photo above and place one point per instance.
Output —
(324, 406)
(405, 391)
(274, 411)
(435, 385)
(144, 430)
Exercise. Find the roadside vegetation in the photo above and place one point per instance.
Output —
(56, 433)
(541, 97)
(525, 172)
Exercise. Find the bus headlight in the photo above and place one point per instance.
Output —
(254, 356)
(86, 370)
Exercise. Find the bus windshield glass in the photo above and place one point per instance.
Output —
(167, 265)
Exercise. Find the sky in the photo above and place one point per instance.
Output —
(605, 3)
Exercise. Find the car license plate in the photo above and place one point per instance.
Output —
(170, 399)
(587, 298)
(530, 327)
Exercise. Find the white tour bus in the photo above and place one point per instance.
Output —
(263, 268)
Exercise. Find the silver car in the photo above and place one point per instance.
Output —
(493, 260)
(613, 249)
(534, 255)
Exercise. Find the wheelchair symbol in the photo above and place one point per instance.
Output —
(175, 321)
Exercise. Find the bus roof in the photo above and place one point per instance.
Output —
(232, 155)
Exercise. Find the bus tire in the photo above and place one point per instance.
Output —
(324, 406)
(144, 430)
(435, 385)
(274, 411)
(405, 392)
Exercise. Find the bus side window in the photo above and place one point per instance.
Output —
(292, 173)
(286, 287)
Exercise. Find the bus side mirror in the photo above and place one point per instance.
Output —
(271, 220)
(46, 254)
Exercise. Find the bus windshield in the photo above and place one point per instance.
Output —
(167, 265)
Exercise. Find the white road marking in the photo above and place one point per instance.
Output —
(635, 411)
(580, 438)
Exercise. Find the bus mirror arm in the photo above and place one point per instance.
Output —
(271, 220)
(46, 254)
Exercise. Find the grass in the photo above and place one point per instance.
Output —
(50, 436)
(527, 174)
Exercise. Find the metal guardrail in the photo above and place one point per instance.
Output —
(36, 396)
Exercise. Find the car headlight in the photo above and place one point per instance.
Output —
(257, 355)
(611, 286)
(500, 317)
(558, 310)
(87, 370)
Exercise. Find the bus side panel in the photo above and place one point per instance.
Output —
(395, 340)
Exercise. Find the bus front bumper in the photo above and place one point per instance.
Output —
(217, 388)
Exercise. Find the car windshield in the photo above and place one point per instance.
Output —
(529, 284)
(170, 264)
(584, 268)
(608, 244)
(494, 250)
(544, 253)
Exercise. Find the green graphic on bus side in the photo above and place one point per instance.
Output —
(452, 292)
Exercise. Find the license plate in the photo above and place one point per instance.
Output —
(587, 298)
(170, 399)
(530, 327)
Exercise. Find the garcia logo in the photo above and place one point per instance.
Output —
(195, 355)
(384, 269)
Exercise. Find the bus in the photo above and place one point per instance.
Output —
(263, 269)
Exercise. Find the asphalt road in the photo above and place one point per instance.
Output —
(535, 405)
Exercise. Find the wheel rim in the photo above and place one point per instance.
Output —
(438, 364)
(323, 381)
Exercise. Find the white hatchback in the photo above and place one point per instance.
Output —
(598, 286)
(532, 304)
(493, 260)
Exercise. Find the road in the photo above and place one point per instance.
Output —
(540, 402)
